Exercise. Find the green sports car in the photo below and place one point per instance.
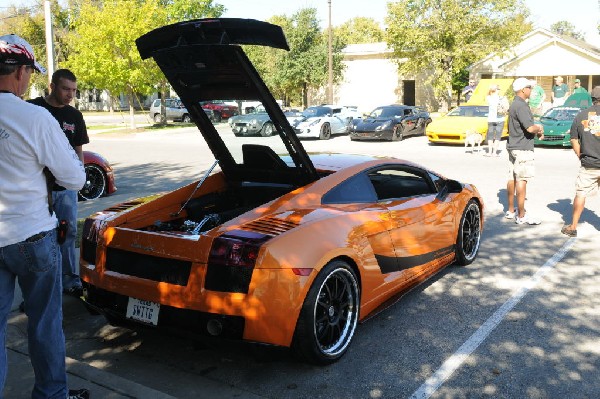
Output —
(557, 121)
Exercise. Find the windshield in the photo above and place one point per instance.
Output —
(470, 110)
(386, 112)
(561, 114)
(312, 112)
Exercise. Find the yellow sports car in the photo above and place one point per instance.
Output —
(452, 128)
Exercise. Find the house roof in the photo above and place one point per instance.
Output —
(543, 53)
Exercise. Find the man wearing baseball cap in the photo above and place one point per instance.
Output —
(521, 132)
(577, 87)
(585, 140)
(31, 142)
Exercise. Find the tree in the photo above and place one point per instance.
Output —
(359, 30)
(290, 75)
(439, 38)
(565, 28)
(104, 54)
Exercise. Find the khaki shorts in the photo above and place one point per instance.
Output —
(521, 165)
(588, 182)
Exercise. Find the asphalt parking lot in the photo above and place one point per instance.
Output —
(523, 321)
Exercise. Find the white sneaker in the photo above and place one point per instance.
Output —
(527, 220)
(510, 215)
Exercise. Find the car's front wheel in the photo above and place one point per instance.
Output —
(267, 130)
(398, 133)
(469, 234)
(95, 183)
(329, 315)
(325, 132)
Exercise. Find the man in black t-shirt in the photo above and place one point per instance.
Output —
(585, 140)
(63, 88)
(521, 131)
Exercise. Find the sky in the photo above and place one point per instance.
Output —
(584, 15)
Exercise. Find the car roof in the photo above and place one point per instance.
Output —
(203, 60)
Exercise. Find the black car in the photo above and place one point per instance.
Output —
(391, 122)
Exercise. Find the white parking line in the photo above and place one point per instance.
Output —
(456, 360)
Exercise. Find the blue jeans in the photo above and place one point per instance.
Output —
(35, 262)
(65, 206)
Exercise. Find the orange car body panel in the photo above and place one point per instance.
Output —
(407, 229)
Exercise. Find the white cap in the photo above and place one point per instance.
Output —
(14, 50)
(521, 83)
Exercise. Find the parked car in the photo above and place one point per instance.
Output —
(222, 109)
(256, 122)
(557, 121)
(275, 247)
(452, 128)
(324, 120)
(391, 122)
(293, 116)
(174, 109)
(99, 177)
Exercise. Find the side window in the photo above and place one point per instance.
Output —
(400, 183)
(357, 189)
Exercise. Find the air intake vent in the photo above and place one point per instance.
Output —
(123, 206)
(270, 226)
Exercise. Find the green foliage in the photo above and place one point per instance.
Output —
(359, 30)
(104, 54)
(289, 75)
(566, 28)
(440, 38)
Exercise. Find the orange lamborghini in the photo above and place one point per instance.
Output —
(270, 245)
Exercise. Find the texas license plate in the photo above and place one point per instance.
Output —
(144, 311)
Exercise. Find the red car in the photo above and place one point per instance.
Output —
(100, 179)
(221, 110)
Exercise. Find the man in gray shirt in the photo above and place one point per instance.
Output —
(521, 132)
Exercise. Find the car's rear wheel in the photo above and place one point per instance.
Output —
(325, 132)
(95, 183)
(268, 129)
(329, 315)
(469, 234)
(398, 133)
(157, 118)
(186, 118)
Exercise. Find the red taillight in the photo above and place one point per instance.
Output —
(236, 248)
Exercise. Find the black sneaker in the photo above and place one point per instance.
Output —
(78, 394)
(77, 292)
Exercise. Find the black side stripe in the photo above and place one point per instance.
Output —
(389, 264)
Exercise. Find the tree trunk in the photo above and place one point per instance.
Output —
(132, 125)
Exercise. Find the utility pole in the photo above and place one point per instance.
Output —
(49, 40)
(330, 57)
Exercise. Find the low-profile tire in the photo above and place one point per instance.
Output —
(186, 118)
(95, 183)
(469, 234)
(157, 118)
(267, 130)
(325, 133)
(329, 315)
(398, 133)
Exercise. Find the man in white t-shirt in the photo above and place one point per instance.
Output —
(31, 141)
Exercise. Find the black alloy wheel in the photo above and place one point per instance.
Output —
(398, 133)
(329, 315)
(95, 183)
(469, 234)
